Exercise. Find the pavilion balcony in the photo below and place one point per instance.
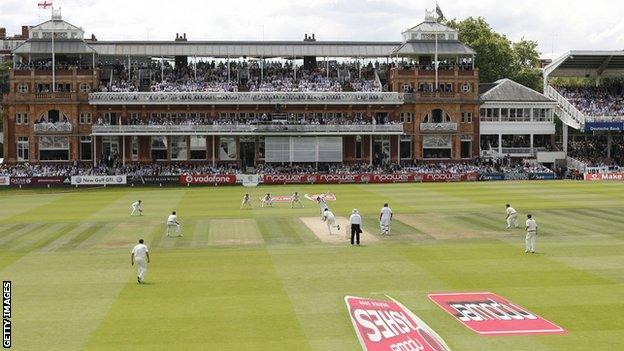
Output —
(438, 127)
(246, 98)
(247, 129)
(52, 128)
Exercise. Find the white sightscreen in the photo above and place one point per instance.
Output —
(277, 149)
(303, 149)
(329, 149)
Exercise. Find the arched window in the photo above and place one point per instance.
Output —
(437, 116)
(53, 116)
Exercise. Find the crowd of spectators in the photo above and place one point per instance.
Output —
(277, 119)
(603, 101)
(253, 76)
(593, 151)
(112, 167)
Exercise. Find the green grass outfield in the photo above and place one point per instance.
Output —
(261, 280)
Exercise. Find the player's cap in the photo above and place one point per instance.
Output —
(355, 210)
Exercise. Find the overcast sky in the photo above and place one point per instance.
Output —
(557, 25)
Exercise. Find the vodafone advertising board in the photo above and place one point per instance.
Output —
(389, 326)
(208, 179)
(604, 176)
(489, 314)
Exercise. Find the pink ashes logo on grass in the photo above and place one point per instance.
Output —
(390, 326)
(489, 314)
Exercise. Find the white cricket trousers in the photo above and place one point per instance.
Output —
(134, 210)
(512, 220)
(173, 225)
(384, 225)
(141, 267)
(529, 241)
(331, 223)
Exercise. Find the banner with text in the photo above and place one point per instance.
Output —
(367, 178)
(208, 179)
(5, 180)
(604, 176)
(40, 181)
(489, 314)
(99, 180)
(389, 326)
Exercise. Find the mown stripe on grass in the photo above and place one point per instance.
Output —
(72, 230)
(19, 232)
(200, 233)
(85, 234)
(8, 228)
(278, 230)
(28, 241)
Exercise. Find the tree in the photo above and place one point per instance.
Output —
(498, 57)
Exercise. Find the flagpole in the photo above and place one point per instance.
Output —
(436, 61)
(53, 66)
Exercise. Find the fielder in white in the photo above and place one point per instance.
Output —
(322, 205)
(140, 256)
(531, 234)
(137, 207)
(512, 216)
(267, 201)
(295, 200)
(330, 220)
(246, 201)
(385, 216)
(172, 222)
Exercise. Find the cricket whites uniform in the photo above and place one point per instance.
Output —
(384, 222)
(136, 208)
(266, 200)
(139, 252)
(512, 217)
(246, 201)
(322, 205)
(295, 200)
(172, 222)
(330, 219)
(531, 235)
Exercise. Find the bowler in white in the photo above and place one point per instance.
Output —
(140, 256)
(246, 201)
(531, 234)
(385, 216)
(512, 216)
(173, 223)
(330, 219)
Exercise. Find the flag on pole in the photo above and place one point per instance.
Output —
(439, 12)
(45, 4)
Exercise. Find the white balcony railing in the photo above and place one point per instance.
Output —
(438, 127)
(242, 129)
(569, 114)
(58, 127)
(245, 98)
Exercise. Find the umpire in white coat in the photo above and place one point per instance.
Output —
(355, 221)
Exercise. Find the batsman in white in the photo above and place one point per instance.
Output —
(172, 222)
(512, 216)
(140, 256)
(137, 207)
(295, 200)
(246, 201)
(330, 220)
(385, 216)
(267, 201)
